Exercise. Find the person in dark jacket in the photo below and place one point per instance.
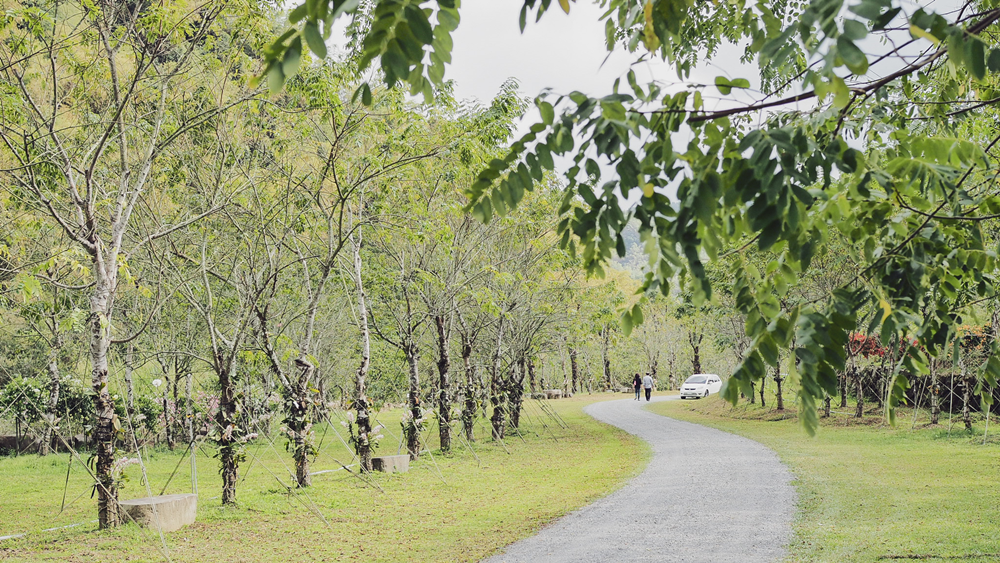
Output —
(637, 385)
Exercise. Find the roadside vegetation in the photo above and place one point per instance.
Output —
(873, 492)
(462, 506)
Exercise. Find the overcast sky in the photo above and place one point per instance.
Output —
(562, 52)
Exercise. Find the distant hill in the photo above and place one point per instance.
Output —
(635, 260)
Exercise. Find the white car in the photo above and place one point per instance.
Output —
(701, 385)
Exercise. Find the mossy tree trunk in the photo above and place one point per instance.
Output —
(361, 404)
(574, 369)
(779, 399)
(859, 391)
(444, 385)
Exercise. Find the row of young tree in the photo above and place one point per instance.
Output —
(169, 222)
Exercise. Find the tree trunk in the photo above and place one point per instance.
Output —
(531, 376)
(50, 409)
(188, 412)
(605, 359)
(843, 390)
(778, 397)
(882, 377)
(444, 397)
(966, 396)
(412, 432)
(695, 342)
(672, 370)
(859, 382)
(300, 423)
(108, 514)
(179, 427)
(574, 369)
(302, 427)
(167, 422)
(515, 394)
(935, 396)
(497, 419)
(469, 410)
(753, 396)
(130, 389)
(826, 407)
(362, 443)
(763, 384)
(225, 417)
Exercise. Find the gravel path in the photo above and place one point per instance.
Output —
(706, 496)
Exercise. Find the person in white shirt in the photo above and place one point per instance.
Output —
(647, 384)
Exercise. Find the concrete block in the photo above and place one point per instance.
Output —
(391, 463)
(172, 512)
(553, 393)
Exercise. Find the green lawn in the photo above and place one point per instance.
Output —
(449, 508)
(868, 492)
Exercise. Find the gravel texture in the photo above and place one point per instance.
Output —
(706, 496)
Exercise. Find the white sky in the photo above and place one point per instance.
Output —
(562, 52)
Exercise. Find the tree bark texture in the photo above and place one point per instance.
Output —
(859, 382)
(531, 376)
(361, 405)
(444, 386)
(515, 394)
(778, 396)
(498, 418)
(574, 369)
(167, 420)
(966, 396)
(225, 418)
(300, 422)
(695, 341)
(412, 352)
(188, 413)
(108, 513)
(469, 409)
(605, 359)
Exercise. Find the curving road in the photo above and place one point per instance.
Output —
(706, 496)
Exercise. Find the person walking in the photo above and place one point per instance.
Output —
(637, 385)
(647, 383)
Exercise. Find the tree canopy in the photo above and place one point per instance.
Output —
(873, 122)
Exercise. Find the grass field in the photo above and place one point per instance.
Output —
(459, 507)
(868, 492)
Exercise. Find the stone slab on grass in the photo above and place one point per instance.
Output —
(172, 512)
(391, 463)
(553, 393)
